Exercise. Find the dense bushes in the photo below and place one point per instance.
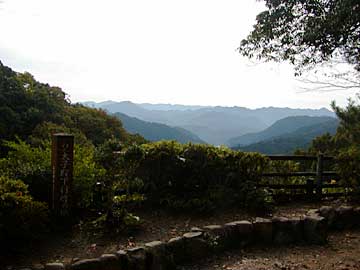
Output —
(344, 145)
(32, 165)
(20, 216)
(31, 112)
(29, 164)
(197, 177)
(348, 166)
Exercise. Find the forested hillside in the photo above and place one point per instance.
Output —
(280, 128)
(155, 131)
(300, 139)
(31, 110)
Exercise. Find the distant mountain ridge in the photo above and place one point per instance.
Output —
(214, 125)
(287, 143)
(280, 127)
(156, 131)
(149, 106)
(171, 107)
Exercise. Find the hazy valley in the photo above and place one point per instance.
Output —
(237, 127)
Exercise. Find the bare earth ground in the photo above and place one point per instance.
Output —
(163, 226)
(341, 253)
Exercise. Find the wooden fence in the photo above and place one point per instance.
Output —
(314, 184)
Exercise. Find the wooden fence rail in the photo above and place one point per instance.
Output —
(316, 178)
(299, 157)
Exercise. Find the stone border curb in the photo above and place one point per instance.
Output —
(200, 243)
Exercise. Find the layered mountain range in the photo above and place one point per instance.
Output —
(214, 125)
(155, 131)
(286, 135)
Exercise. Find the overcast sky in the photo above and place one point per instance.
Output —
(157, 51)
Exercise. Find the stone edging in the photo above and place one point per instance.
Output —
(200, 243)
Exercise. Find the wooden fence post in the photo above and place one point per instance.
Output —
(319, 175)
(310, 189)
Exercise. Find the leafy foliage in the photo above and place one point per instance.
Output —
(30, 113)
(20, 216)
(197, 177)
(117, 186)
(344, 144)
(347, 144)
(33, 166)
(306, 33)
(32, 110)
(30, 164)
(348, 162)
(349, 129)
(87, 173)
(323, 144)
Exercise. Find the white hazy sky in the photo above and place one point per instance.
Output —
(158, 51)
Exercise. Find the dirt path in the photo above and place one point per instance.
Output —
(157, 226)
(341, 253)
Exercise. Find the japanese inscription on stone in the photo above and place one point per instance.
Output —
(62, 172)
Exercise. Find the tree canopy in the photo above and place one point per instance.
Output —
(306, 33)
(32, 111)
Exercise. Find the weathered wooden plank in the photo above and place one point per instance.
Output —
(289, 174)
(295, 186)
(319, 175)
(282, 186)
(297, 157)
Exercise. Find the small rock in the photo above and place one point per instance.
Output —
(218, 236)
(282, 231)
(263, 230)
(312, 212)
(110, 262)
(196, 247)
(176, 248)
(196, 229)
(315, 229)
(123, 259)
(54, 266)
(154, 245)
(87, 264)
(38, 267)
(297, 226)
(344, 217)
(239, 233)
(158, 257)
(137, 258)
(191, 235)
(329, 214)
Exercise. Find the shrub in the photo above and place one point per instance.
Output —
(196, 177)
(348, 161)
(20, 216)
(86, 174)
(32, 165)
(119, 186)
